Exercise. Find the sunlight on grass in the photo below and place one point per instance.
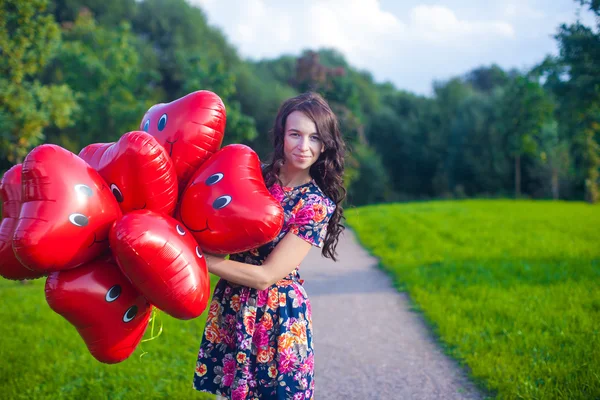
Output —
(510, 287)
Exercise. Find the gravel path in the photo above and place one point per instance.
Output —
(368, 344)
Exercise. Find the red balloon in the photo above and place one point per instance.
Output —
(163, 261)
(138, 171)
(10, 194)
(227, 206)
(109, 314)
(66, 214)
(190, 128)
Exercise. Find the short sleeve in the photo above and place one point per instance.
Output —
(310, 219)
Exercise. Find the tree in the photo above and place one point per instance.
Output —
(526, 108)
(371, 183)
(260, 94)
(28, 40)
(486, 79)
(109, 13)
(112, 82)
(554, 156)
(580, 54)
(194, 56)
(401, 134)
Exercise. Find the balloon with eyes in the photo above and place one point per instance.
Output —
(138, 171)
(109, 314)
(190, 128)
(66, 214)
(226, 204)
(10, 194)
(163, 262)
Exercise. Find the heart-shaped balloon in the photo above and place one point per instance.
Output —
(66, 214)
(191, 128)
(138, 171)
(98, 300)
(10, 195)
(163, 261)
(227, 206)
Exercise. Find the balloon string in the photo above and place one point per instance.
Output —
(155, 315)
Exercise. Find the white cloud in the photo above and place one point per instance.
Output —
(440, 25)
(409, 43)
(260, 28)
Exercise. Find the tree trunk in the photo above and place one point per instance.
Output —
(517, 176)
(555, 187)
(593, 165)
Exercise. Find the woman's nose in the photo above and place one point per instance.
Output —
(303, 143)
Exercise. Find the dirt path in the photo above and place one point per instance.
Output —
(368, 344)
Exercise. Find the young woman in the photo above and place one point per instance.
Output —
(257, 343)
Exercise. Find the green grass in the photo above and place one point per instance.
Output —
(43, 356)
(511, 288)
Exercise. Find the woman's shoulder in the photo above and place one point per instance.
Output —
(316, 195)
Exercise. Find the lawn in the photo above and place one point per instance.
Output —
(42, 355)
(511, 288)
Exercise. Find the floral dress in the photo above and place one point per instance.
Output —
(257, 344)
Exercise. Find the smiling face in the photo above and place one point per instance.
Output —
(137, 170)
(302, 144)
(163, 262)
(109, 314)
(190, 129)
(227, 206)
(66, 213)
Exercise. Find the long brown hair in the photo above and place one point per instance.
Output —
(328, 170)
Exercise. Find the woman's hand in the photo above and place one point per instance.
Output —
(212, 259)
(285, 257)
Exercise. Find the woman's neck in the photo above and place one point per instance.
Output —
(293, 178)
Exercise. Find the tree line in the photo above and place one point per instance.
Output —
(79, 72)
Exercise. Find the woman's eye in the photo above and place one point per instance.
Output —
(316, 138)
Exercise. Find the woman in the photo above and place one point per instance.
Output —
(257, 342)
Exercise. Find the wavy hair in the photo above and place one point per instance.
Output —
(327, 171)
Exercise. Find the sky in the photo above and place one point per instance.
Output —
(409, 43)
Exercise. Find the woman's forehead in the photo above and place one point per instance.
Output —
(299, 121)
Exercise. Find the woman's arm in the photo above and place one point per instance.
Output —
(284, 258)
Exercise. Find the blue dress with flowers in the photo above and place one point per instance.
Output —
(257, 344)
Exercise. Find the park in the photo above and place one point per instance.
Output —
(469, 262)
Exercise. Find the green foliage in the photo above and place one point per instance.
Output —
(180, 34)
(526, 107)
(403, 134)
(371, 183)
(44, 356)
(260, 94)
(107, 12)
(111, 81)
(483, 133)
(580, 54)
(510, 287)
(28, 41)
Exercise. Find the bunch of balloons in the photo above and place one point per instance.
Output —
(121, 227)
